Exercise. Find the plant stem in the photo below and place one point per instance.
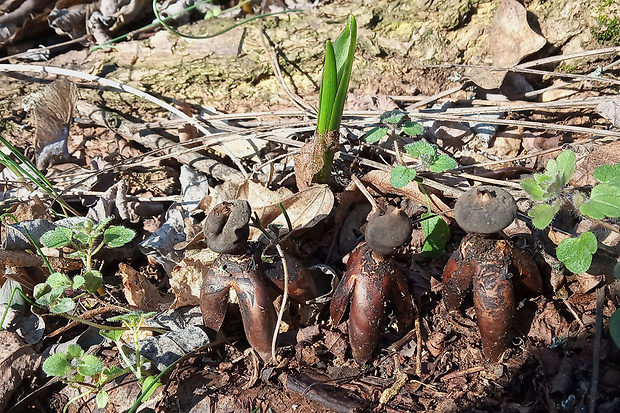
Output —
(282, 306)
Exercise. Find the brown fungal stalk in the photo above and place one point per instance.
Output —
(489, 266)
(372, 278)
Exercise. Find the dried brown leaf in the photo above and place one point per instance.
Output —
(186, 278)
(310, 160)
(139, 292)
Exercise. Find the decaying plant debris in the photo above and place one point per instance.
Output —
(366, 324)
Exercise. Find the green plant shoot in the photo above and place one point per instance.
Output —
(314, 164)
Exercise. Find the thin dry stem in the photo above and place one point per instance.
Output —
(362, 188)
(282, 306)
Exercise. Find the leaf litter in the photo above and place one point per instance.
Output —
(555, 329)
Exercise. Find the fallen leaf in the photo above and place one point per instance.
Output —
(186, 278)
(304, 208)
(18, 361)
(139, 292)
(311, 157)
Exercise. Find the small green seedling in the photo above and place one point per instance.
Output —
(133, 322)
(576, 253)
(86, 238)
(315, 161)
(550, 187)
(394, 127)
(431, 160)
(76, 369)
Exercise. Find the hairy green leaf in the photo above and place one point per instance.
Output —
(57, 238)
(90, 365)
(604, 202)
(418, 149)
(64, 305)
(113, 335)
(92, 280)
(443, 163)
(74, 351)
(532, 187)
(117, 236)
(102, 399)
(56, 365)
(437, 235)
(392, 116)
(59, 280)
(543, 214)
(608, 174)
(78, 281)
(576, 253)
(401, 176)
(375, 135)
(413, 128)
(565, 166)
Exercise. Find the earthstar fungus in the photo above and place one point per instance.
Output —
(226, 230)
(492, 267)
(370, 279)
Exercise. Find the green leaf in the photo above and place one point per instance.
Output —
(576, 253)
(90, 365)
(74, 351)
(392, 116)
(375, 135)
(146, 383)
(40, 290)
(92, 280)
(113, 335)
(112, 371)
(57, 238)
(82, 237)
(418, 149)
(604, 202)
(533, 188)
(543, 214)
(101, 225)
(329, 87)
(401, 176)
(566, 166)
(117, 236)
(614, 327)
(608, 174)
(59, 280)
(102, 399)
(413, 128)
(437, 235)
(64, 305)
(344, 48)
(78, 281)
(56, 365)
(443, 163)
